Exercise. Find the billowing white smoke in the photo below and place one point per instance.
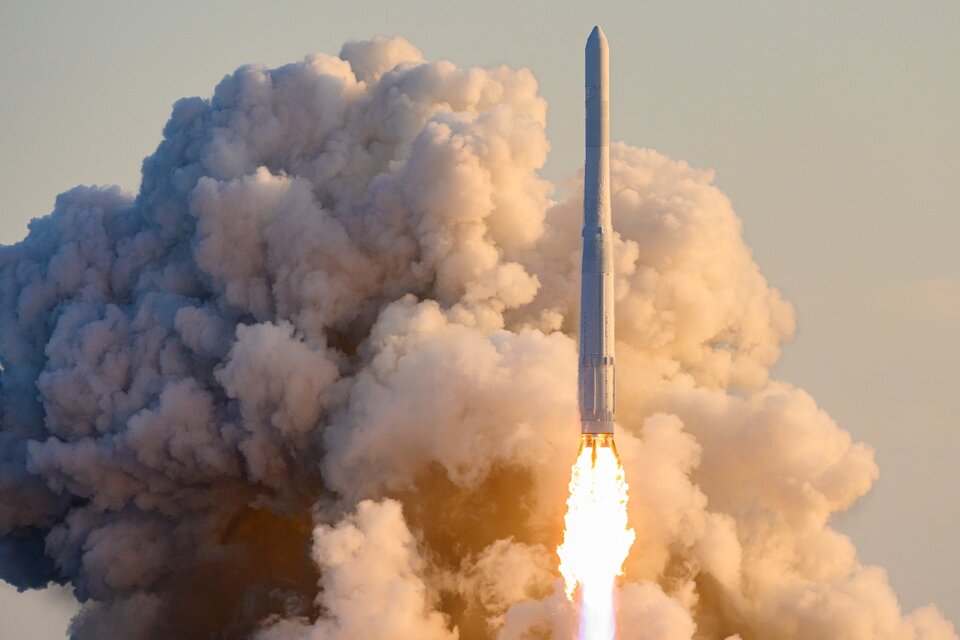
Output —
(321, 369)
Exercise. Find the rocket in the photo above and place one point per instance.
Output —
(596, 380)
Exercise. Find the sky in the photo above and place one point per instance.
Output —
(832, 127)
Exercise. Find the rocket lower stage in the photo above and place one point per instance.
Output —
(596, 378)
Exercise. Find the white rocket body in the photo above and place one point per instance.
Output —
(596, 373)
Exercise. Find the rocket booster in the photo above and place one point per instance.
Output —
(596, 379)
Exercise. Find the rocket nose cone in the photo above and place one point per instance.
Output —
(597, 56)
(597, 39)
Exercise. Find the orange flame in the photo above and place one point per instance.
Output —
(596, 539)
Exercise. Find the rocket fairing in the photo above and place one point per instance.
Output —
(596, 371)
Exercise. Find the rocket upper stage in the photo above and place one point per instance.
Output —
(597, 76)
(596, 377)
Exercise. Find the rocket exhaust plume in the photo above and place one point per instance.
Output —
(596, 537)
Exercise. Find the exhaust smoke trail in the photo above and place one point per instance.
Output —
(596, 537)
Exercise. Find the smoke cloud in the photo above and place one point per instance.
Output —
(317, 380)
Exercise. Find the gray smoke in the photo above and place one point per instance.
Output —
(317, 380)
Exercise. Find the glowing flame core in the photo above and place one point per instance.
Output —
(596, 537)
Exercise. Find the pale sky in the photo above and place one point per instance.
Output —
(834, 127)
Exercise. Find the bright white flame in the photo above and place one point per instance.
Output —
(596, 539)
